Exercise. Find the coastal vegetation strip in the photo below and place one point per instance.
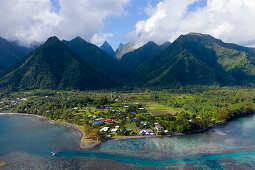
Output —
(103, 115)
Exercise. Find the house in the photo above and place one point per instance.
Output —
(97, 123)
(166, 131)
(144, 123)
(159, 128)
(107, 106)
(24, 99)
(108, 121)
(105, 129)
(108, 136)
(145, 114)
(100, 119)
(143, 132)
(136, 118)
(117, 127)
(114, 130)
(147, 132)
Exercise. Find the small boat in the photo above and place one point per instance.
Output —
(53, 153)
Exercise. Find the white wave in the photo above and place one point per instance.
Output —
(8, 114)
(220, 133)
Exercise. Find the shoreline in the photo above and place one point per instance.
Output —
(83, 146)
(88, 144)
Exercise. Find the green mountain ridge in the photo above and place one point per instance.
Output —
(192, 59)
(11, 52)
(95, 56)
(198, 59)
(54, 66)
(165, 45)
(132, 60)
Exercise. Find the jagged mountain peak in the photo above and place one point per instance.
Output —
(106, 47)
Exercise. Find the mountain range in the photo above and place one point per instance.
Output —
(198, 59)
(132, 60)
(10, 52)
(54, 66)
(192, 59)
(97, 57)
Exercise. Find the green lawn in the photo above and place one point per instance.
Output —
(130, 126)
(156, 106)
(157, 109)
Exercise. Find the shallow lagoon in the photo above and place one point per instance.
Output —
(26, 137)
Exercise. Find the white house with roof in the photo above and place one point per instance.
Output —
(159, 128)
(99, 119)
(114, 130)
(147, 132)
(105, 129)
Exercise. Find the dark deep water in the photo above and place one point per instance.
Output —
(28, 142)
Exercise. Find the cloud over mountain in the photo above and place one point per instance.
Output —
(35, 20)
(230, 20)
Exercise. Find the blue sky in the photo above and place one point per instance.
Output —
(94, 20)
(120, 26)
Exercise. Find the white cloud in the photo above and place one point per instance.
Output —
(99, 37)
(26, 20)
(85, 17)
(34, 20)
(230, 20)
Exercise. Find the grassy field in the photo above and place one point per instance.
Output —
(156, 108)
(131, 126)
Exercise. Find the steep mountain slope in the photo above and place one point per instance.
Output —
(11, 52)
(94, 55)
(123, 49)
(198, 59)
(137, 57)
(165, 45)
(54, 66)
(107, 49)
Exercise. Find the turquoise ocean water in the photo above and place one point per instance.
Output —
(36, 139)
